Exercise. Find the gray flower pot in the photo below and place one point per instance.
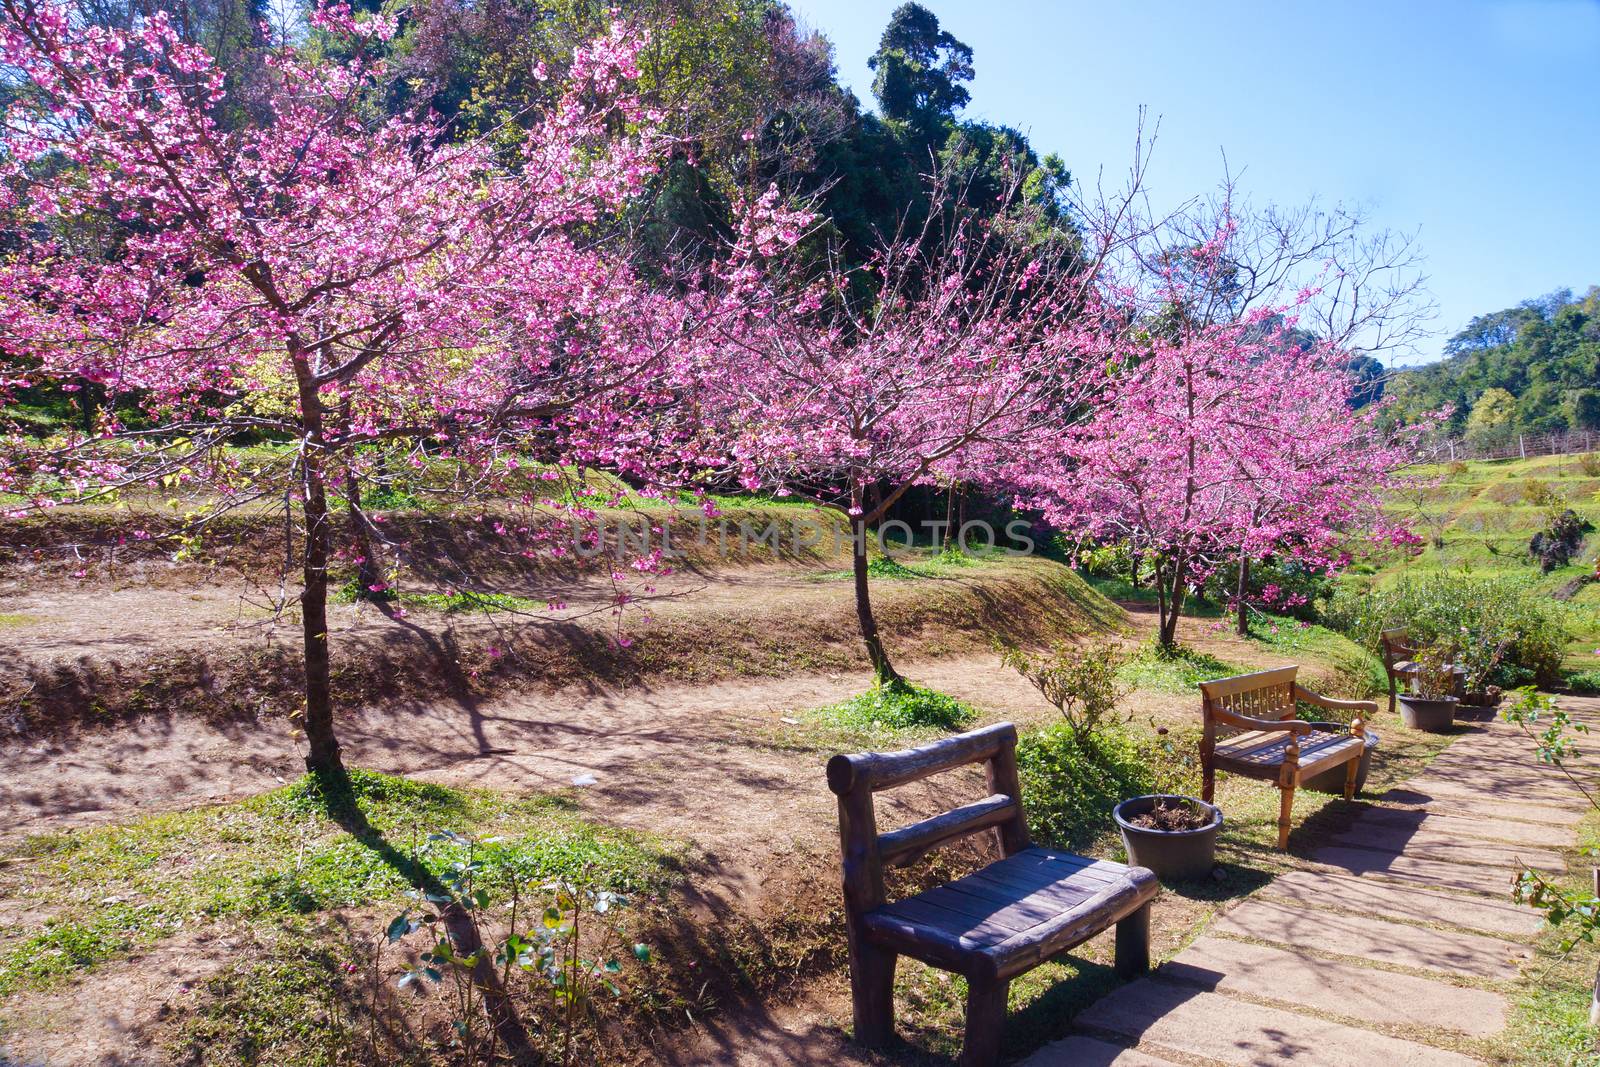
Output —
(1332, 779)
(1432, 715)
(1172, 854)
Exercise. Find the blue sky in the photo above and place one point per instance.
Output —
(1476, 123)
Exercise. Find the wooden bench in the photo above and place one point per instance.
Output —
(1398, 648)
(1031, 905)
(1250, 730)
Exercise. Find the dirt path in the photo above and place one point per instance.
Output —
(706, 764)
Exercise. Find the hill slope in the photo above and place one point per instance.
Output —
(1481, 516)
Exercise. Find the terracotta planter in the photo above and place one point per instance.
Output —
(1426, 713)
(1172, 854)
(1332, 779)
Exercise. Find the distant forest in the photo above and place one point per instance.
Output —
(1532, 368)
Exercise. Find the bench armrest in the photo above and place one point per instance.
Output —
(1363, 708)
(1228, 718)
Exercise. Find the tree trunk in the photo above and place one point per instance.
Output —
(1244, 578)
(323, 755)
(1171, 602)
(881, 666)
(1133, 569)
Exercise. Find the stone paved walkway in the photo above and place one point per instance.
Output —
(1395, 945)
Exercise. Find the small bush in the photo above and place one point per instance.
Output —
(1501, 613)
(1080, 683)
(1556, 544)
(1589, 464)
(1585, 682)
(902, 706)
(1542, 494)
(1072, 783)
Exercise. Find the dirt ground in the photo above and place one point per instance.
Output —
(727, 768)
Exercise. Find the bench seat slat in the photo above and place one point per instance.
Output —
(1004, 907)
(1317, 750)
(1012, 914)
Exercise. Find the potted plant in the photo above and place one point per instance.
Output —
(1430, 700)
(1479, 658)
(1173, 835)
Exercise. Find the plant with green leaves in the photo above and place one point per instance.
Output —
(1434, 677)
(1080, 683)
(1550, 728)
(566, 957)
(1437, 606)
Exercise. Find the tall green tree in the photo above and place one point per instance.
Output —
(919, 70)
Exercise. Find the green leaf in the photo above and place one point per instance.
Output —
(641, 953)
(399, 927)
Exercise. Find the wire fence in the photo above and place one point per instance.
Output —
(1517, 445)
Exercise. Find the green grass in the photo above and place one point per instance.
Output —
(111, 889)
(1484, 515)
(1178, 670)
(1116, 588)
(449, 603)
(910, 568)
(284, 1011)
(892, 708)
(14, 618)
(1360, 674)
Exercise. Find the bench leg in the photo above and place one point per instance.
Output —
(986, 1022)
(1208, 784)
(1351, 769)
(1285, 814)
(872, 994)
(1133, 944)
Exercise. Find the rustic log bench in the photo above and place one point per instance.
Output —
(1250, 730)
(1011, 916)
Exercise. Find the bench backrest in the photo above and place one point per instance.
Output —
(866, 852)
(1262, 695)
(1396, 645)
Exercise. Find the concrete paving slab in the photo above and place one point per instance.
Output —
(1374, 896)
(1480, 827)
(1213, 1026)
(1438, 874)
(1521, 788)
(1364, 993)
(1469, 803)
(1368, 938)
(1451, 848)
(1088, 1052)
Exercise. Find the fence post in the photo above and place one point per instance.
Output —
(1522, 445)
(1452, 445)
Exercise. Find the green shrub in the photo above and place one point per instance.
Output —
(1585, 682)
(901, 706)
(1504, 613)
(1081, 683)
(1072, 783)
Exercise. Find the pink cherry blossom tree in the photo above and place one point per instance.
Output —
(1218, 441)
(326, 278)
(960, 365)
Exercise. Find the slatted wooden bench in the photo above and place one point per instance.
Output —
(1251, 730)
(1031, 905)
(1398, 648)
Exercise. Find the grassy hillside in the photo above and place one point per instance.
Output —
(1480, 517)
